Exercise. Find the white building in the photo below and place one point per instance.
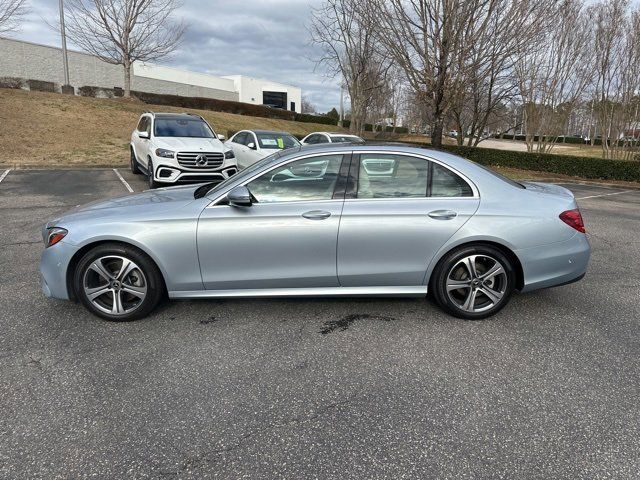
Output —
(32, 61)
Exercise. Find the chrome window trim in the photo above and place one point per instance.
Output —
(285, 162)
(474, 188)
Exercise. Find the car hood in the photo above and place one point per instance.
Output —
(138, 205)
(178, 144)
(548, 188)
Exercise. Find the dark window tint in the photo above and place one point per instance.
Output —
(307, 179)
(240, 138)
(445, 183)
(182, 127)
(392, 176)
(141, 124)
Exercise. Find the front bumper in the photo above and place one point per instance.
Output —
(173, 174)
(54, 263)
(555, 264)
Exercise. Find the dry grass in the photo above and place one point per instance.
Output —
(51, 130)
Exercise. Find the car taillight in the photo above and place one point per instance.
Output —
(573, 219)
(54, 235)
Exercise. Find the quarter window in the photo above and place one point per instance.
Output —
(240, 138)
(311, 178)
(445, 183)
(141, 124)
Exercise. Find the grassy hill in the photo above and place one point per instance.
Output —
(51, 130)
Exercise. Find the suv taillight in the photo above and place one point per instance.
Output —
(573, 219)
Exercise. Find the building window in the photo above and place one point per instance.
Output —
(275, 99)
(293, 106)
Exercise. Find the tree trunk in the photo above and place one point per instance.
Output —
(127, 79)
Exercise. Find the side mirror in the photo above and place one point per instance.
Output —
(143, 135)
(221, 137)
(251, 145)
(239, 197)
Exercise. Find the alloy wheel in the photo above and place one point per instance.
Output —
(476, 283)
(115, 285)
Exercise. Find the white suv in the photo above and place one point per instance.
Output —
(173, 148)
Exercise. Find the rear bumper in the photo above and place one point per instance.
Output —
(555, 264)
(53, 270)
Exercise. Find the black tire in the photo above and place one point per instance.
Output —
(453, 265)
(145, 277)
(135, 169)
(150, 171)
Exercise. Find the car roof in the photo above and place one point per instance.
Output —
(174, 115)
(276, 132)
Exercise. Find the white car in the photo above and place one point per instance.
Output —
(249, 146)
(172, 148)
(330, 137)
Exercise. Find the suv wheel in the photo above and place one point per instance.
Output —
(473, 282)
(134, 163)
(117, 282)
(150, 170)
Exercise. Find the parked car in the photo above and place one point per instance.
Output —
(249, 146)
(172, 148)
(312, 221)
(452, 133)
(330, 137)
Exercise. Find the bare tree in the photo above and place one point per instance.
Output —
(10, 13)
(124, 31)
(345, 30)
(553, 72)
(617, 90)
(307, 106)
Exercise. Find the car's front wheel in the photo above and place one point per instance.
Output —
(150, 172)
(118, 282)
(134, 163)
(473, 282)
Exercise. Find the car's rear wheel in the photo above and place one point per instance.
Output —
(118, 283)
(473, 282)
(150, 172)
(134, 163)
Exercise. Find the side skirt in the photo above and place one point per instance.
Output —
(415, 291)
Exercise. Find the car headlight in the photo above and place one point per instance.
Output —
(229, 154)
(161, 152)
(54, 235)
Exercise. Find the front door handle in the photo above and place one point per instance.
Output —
(443, 214)
(316, 215)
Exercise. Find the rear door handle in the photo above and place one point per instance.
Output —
(316, 215)
(443, 214)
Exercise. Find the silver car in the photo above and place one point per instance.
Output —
(313, 221)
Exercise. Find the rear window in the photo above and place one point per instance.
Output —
(346, 139)
(182, 127)
(501, 177)
(277, 141)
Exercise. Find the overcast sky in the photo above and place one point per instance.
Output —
(259, 38)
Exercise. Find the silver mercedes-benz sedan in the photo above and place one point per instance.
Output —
(319, 221)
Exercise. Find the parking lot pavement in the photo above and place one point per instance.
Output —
(336, 388)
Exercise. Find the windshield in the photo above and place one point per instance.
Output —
(277, 141)
(346, 139)
(182, 127)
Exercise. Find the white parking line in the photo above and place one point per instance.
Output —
(605, 194)
(5, 173)
(124, 182)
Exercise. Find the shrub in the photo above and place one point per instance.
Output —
(323, 119)
(41, 86)
(586, 167)
(11, 82)
(214, 104)
(88, 91)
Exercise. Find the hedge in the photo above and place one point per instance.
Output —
(560, 139)
(586, 167)
(369, 127)
(323, 119)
